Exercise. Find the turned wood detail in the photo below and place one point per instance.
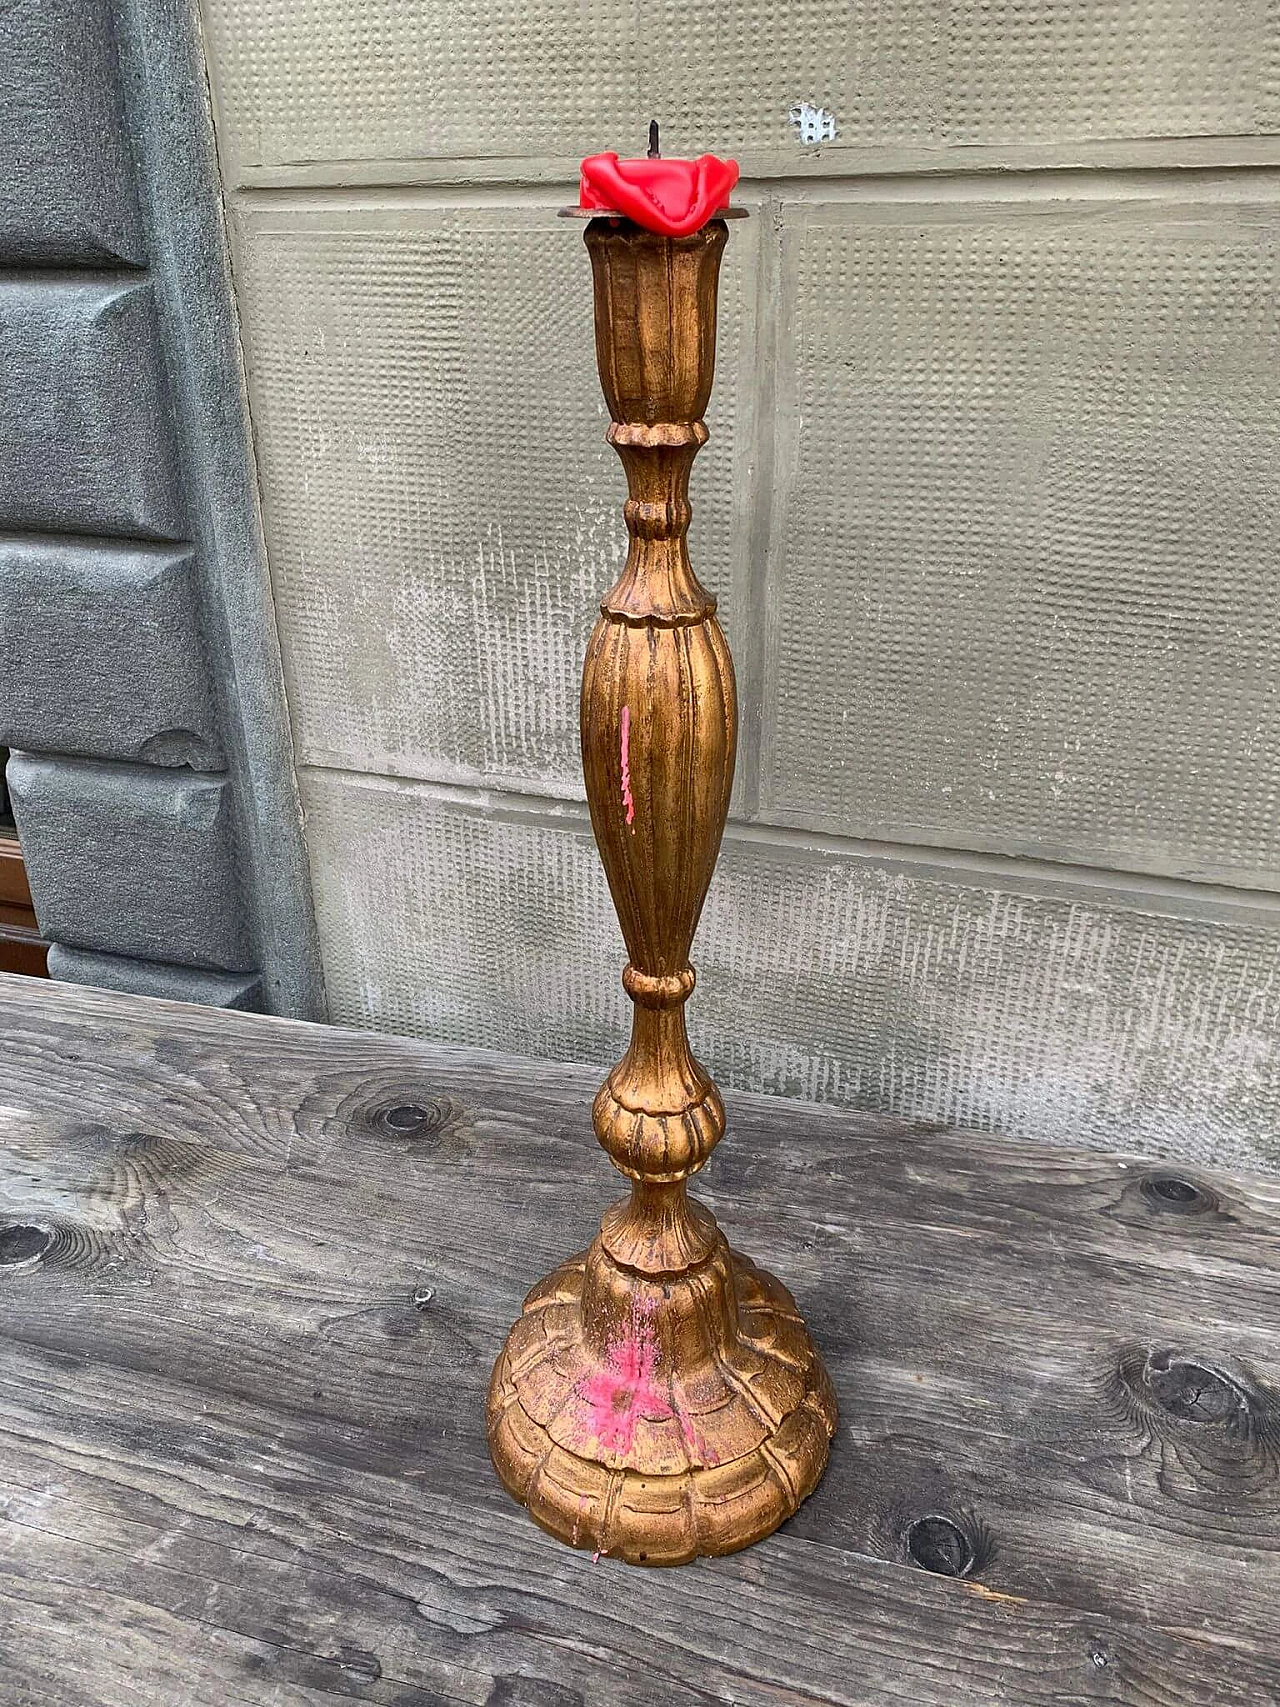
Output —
(659, 705)
(659, 1397)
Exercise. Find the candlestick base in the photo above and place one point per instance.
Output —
(656, 1417)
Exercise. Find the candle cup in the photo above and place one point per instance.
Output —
(659, 1397)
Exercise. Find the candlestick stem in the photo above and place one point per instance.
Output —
(659, 1397)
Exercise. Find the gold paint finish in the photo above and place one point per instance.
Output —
(659, 1397)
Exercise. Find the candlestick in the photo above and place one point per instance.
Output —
(659, 1397)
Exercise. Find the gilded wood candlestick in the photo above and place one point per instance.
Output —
(659, 1397)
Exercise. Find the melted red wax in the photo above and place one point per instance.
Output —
(673, 197)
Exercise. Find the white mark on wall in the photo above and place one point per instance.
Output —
(815, 124)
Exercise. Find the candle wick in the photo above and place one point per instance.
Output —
(654, 151)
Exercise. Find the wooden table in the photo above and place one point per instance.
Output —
(253, 1278)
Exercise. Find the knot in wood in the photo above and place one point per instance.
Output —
(1194, 1392)
(23, 1242)
(956, 1546)
(411, 1114)
(1220, 1406)
(658, 990)
(1176, 1194)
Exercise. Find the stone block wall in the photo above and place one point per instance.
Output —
(140, 688)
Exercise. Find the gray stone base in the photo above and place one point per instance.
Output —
(100, 652)
(155, 978)
(132, 860)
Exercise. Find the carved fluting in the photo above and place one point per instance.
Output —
(659, 1397)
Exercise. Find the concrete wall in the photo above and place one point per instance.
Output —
(140, 680)
(991, 504)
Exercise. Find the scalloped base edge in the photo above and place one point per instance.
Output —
(661, 1519)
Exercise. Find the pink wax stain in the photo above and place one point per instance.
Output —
(618, 1395)
(627, 801)
(624, 1392)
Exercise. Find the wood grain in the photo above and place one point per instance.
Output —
(240, 1463)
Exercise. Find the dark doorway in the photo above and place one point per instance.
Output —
(21, 946)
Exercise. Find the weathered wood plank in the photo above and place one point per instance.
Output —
(222, 1325)
(371, 1585)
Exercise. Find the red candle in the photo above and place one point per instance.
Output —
(673, 197)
